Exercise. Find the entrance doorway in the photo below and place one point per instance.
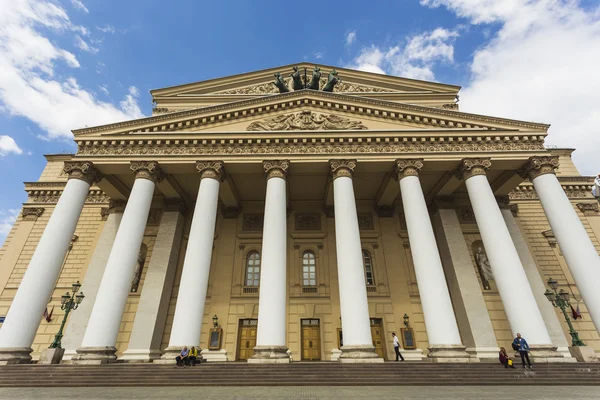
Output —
(378, 336)
(311, 339)
(246, 338)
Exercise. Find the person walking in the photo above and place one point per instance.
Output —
(397, 347)
(521, 345)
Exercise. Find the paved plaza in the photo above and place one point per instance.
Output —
(305, 392)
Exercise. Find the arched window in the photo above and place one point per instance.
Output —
(253, 269)
(309, 273)
(368, 263)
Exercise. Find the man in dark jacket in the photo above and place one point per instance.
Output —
(521, 345)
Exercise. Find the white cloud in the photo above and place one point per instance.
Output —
(8, 145)
(7, 220)
(104, 89)
(541, 65)
(318, 55)
(350, 38)
(107, 29)
(84, 46)
(414, 60)
(79, 5)
(28, 83)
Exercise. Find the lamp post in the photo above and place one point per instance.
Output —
(406, 323)
(68, 302)
(560, 299)
(215, 321)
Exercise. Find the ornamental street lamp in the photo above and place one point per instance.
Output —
(406, 320)
(68, 302)
(560, 299)
(215, 321)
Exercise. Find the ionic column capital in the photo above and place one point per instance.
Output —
(276, 168)
(471, 167)
(210, 169)
(82, 170)
(408, 167)
(147, 170)
(341, 168)
(537, 166)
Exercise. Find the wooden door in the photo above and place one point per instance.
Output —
(246, 338)
(311, 340)
(378, 336)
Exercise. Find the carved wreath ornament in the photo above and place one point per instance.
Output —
(305, 121)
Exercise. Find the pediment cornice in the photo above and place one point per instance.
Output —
(330, 102)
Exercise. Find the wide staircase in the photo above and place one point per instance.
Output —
(297, 374)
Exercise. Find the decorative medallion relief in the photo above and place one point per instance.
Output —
(308, 222)
(305, 121)
(32, 214)
(365, 221)
(589, 209)
(253, 222)
(466, 215)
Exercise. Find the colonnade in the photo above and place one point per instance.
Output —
(98, 345)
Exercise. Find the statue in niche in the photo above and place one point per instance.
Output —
(483, 266)
(298, 84)
(332, 80)
(139, 266)
(316, 79)
(280, 83)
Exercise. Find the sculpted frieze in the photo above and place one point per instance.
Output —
(305, 121)
(300, 149)
(341, 87)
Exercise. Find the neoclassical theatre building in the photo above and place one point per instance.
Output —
(304, 213)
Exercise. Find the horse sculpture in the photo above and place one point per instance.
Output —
(332, 80)
(280, 83)
(298, 84)
(316, 79)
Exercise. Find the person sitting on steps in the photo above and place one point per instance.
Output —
(193, 356)
(505, 359)
(183, 357)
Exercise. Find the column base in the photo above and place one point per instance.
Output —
(567, 356)
(583, 353)
(68, 356)
(214, 355)
(448, 353)
(270, 355)
(51, 356)
(483, 354)
(15, 355)
(335, 354)
(95, 355)
(542, 353)
(355, 354)
(140, 355)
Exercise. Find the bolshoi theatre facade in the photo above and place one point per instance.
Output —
(300, 218)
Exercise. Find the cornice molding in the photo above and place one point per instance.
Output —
(527, 192)
(302, 98)
(52, 197)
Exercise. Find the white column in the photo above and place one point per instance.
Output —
(189, 311)
(574, 241)
(77, 324)
(519, 302)
(354, 305)
(271, 343)
(98, 345)
(442, 331)
(151, 314)
(36, 288)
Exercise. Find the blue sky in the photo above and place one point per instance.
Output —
(65, 64)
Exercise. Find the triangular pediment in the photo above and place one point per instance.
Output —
(262, 83)
(308, 110)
